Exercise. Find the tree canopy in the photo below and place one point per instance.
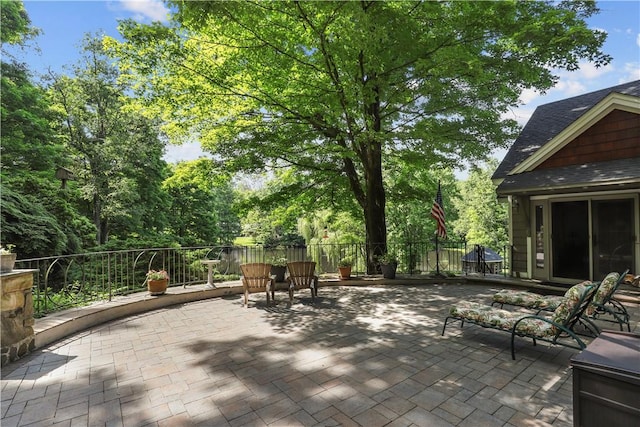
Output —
(116, 152)
(338, 90)
(16, 26)
(120, 188)
(481, 218)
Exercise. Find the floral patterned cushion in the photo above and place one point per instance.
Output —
(528, 299)
(500, 319)
(572, 298)
(536, 327)
(606, 287)
(576, 289)
(484, 314)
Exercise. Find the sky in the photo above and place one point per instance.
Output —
(64, 23)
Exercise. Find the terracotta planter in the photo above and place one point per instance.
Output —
(157, 287)
(345, 272)
(7, 261)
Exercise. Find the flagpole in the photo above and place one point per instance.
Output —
(437, 257)
(437, 212)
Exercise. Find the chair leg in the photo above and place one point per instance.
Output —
(246, 298)
(620, 313)
(445, 325)
(593, 329)
(271, 288)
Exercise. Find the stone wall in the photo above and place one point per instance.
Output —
(18, 338)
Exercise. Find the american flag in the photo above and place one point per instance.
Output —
(437, 211)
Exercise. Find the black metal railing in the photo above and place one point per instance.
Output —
(72, 280)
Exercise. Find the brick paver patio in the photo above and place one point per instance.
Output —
(369, 356)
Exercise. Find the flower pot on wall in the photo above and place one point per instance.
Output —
(345, 272)
(389, 270)
(7, 262)
(157, 287)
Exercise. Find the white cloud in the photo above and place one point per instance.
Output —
(631, 72)
(523, 113)
(588, 77)
(638, 39)
(184, 152)
(589, 71)
(144, 10)
(528, 95)
(570, 87)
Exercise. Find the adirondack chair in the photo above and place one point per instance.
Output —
(603, 302)
(256, 277)
(557, 329)
(302, 276)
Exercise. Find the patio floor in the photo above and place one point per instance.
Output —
(369, 356)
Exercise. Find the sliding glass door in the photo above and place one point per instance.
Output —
(613, 236)
(570, 239)
(589, 239)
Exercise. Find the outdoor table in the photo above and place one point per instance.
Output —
(210, 263)
(606, 381)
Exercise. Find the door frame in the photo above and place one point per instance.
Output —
(545, 201)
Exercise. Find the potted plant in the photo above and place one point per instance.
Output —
(388, 265)
(344, 266)
(7, 258)
(279, 268)
(157, 282)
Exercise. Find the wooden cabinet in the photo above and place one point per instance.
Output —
(606, 382)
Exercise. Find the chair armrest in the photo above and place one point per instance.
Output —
(531, 334)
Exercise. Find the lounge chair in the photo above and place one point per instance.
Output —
(256, 277)
(603, 302)
(556, 329)
(302, 276)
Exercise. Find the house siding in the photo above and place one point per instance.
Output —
(521, 229)
(584, 148)
(614, 137)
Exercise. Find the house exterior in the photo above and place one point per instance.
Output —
(572, 179)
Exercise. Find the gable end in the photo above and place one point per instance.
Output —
(614, 101)
(616, 136)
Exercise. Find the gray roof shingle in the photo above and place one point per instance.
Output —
(548, 121)
(620, 173)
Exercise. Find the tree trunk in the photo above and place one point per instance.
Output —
(97, 211)
(374, 209)
(104, 234)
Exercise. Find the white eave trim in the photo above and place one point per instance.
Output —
(613, 101)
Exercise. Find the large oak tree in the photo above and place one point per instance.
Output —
(337, 89)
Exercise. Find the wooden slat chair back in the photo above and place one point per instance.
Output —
(256, 277)
(302, 276)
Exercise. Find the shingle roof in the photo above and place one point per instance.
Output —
(622, 173)
(550, 119)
